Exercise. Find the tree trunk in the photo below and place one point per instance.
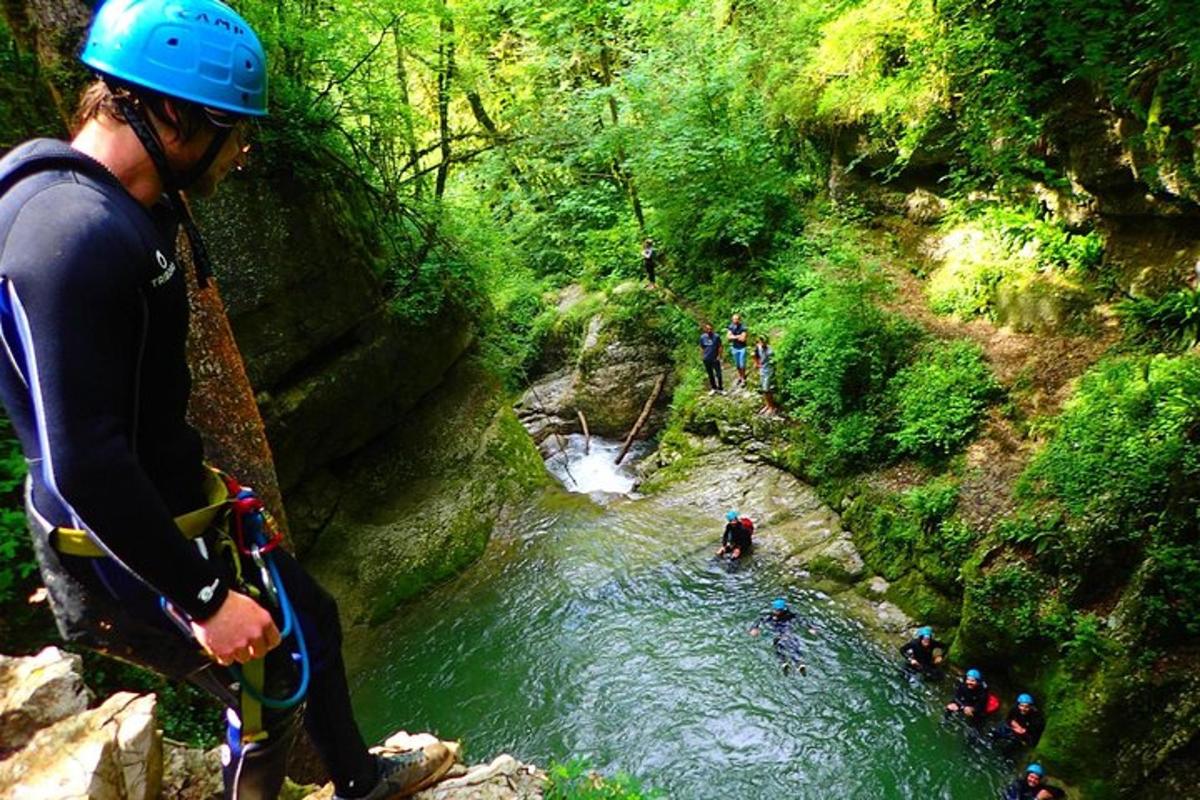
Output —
(445, 75)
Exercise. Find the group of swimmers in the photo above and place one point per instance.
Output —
(1021, 728)
(972, 701)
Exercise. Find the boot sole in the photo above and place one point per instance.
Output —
(430, 779)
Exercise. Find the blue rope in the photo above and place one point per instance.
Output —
(290, 627)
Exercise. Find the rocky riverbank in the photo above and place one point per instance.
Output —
(56, 743)
(791, 520)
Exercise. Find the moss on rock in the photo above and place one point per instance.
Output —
(419, 504)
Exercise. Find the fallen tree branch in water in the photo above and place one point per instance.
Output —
(637, 426)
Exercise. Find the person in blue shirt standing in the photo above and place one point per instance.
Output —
(710, 353)
(738, 336)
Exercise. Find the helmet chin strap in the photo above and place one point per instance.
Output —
(172, 183)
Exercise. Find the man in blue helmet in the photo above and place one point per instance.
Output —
(1023, 726)
(1033, 786)
(781, 622)
(127, 522)
(970, 697)
(736, 540)
(923, 652)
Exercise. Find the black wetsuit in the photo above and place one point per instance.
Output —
(923, 655)
(1021, 790)
(1034, 723)
(736, 537)
(95, 378)
(975, 698)
(783, 626)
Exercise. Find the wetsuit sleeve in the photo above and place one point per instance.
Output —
(906, 649)
(78, 288)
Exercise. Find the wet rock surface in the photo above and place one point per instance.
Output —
(729, 472)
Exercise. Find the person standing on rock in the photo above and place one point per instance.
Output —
(648, 256)
(764, 359)
(738, 337)
(710, 354)
(127, 522)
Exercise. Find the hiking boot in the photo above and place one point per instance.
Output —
(405, 774)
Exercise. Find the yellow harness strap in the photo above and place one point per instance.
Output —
(251, 716)
(193, 524)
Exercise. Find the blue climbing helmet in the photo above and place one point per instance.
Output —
(925, 632)
(975, 674)
(731, 515)
(201, 51)
(1024, 699)
(779, 604)
(1035, 769)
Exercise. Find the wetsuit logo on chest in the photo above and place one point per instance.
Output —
(166, 267)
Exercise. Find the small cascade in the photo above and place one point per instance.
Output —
(592, 470)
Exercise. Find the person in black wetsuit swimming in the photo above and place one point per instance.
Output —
(737, 539)
(1033, 786)
(94, 318)
(781, 621)
(923, 652)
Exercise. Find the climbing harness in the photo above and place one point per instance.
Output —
(256, 535)
(247, 529)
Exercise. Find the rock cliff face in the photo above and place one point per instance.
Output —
(608, 375)
(391, 444)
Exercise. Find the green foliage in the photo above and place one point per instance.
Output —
(1089, 645)
(17, 563)
(1168, 608)
(873, 63)
(185, 713)
(574, 780)
(639, 314)
(1170, 322)
(933, 502)
(1125, 446)
(838, 350)
(941, 397)
(1008, 607)
(27, 109)
(989, 247)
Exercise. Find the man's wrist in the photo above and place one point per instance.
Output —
(205, 599)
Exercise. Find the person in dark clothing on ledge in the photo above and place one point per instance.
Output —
(132, 532)
(710, 354)
(923, 652)
(737, 540)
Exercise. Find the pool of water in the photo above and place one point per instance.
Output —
(608, 631)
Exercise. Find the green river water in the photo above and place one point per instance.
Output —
(606, 630)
